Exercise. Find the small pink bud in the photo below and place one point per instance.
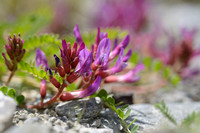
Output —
(43, 89)
(69, 49)
(54, 81)
(75, 62)
(21, 55)
(66, 65)
(61, 71)
(111, 79)
(66, 97)
(72, 77)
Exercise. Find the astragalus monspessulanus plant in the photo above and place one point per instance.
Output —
(90, 67)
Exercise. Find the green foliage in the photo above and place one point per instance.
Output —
(12, 93)
(190, 124)
(165, 111)
(37, 72)
(41, 74)
(71, 87)
(4, 89)
(19, 99)
(109, 101)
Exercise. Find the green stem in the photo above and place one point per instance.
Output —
(122, 121)
(10, 77)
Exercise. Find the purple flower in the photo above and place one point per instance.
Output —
(120, 64)
(123, 44)
(129, 14)
(127, 56)
(85, 61)
(41, 59)
(82, 93)
(103, 52)
(130, 77)
(91, 89)
(77, 34)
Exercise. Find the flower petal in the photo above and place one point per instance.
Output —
(103, 52)
(40, 58)
(92, 88)
(77, 34)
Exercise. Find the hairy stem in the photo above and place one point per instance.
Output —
(52, 100)
(10, 77)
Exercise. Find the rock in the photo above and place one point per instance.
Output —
(81, 129)
(73, 109)
(30, 128)
(7, 109)
(149, 118)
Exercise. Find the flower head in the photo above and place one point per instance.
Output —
(129, 14)
(14, 51)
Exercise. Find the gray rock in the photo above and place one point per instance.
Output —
(81, 129)
(30, 128)
(149, 118)
(73, 109)
(7, 109)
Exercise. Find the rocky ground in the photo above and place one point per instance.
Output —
(68, 117)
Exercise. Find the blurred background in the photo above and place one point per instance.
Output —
(146, 21)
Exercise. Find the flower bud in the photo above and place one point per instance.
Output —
(75, 62)
(61, 71)
(72, 77)
(21, 55)
(66, 65)
(74, 50)
(66, 97)
(43, 89)
(54, 81)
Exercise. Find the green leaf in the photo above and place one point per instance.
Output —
(134, 129)
(71, 87)
(42, 74)
(165, 111)
(34, 70)
(103, 94)
(4, 89)
(175, 79)
(157, 65)
(124, 107)
(120, 113)
(11, 93)
(166, 72)
(134, 58)
(19, 99)
(131, 123)
(147, 62)
(111, 101)
(127, 114)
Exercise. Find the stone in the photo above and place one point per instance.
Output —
(149, 118)
(31, 128)
(73, 109)
(7, 109)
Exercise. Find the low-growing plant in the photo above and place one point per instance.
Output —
(12, 93)
(123, 112)
(79, 64)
